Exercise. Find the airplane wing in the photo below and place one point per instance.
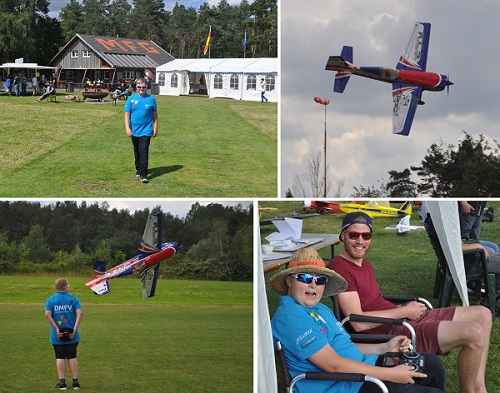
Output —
(151, 239)
(415, 54)
(148, 279)
(405, 100)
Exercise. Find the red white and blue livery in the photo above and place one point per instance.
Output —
(151, 252)
(409, 79)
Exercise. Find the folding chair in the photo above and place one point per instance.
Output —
(322, 376)
(444, 287)
(374, 338)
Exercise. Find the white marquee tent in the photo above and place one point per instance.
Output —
(445, 219)
(228, 78)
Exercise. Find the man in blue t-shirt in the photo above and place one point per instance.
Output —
(64, 314)
(141, 123)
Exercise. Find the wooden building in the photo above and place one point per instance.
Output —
(109, 60)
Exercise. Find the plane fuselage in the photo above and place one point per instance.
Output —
(140, 262)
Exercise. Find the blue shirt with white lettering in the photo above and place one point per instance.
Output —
(304, 331)
(141, 111)
(63, 307)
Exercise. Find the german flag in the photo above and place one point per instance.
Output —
(207, 44)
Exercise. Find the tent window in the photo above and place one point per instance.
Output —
(161, 79)
(251, 82)
(234, 83)
(270, 82)
(218, 81)
(174, 80)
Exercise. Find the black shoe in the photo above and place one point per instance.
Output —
(76, 386)
(61, 386)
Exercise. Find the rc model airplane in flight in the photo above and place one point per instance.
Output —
(147, 262)
(409, 79)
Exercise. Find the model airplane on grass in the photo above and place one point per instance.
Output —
(147, 262)
(409, 79)
(373, 209)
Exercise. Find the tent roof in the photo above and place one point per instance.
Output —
(229, 65)
(25, 66)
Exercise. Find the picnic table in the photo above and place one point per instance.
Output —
(276, 259)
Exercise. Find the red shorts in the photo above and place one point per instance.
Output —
(426, 328)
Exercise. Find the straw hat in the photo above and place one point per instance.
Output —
(307, 260)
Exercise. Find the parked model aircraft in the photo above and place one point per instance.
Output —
(147, 262)
(409, 79)
(373, 209)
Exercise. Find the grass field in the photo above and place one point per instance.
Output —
(204, 148)
(405, 265)
(191, 337)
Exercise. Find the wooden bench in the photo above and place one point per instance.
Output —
(52, 97)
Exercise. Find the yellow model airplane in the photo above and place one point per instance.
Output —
(376, 210)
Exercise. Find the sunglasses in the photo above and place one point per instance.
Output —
(356, 235)
(142, 87)
(307, 278)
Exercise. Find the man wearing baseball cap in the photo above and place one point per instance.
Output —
(438, 331)
(313, 339)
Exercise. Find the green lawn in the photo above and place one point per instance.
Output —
(405, 265)
(193, 336)
(204, 148)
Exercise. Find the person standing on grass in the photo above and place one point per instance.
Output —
(141, 123)
(64, 314)
(438, 330)
(263, 90)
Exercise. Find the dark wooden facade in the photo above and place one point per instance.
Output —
(109, 60)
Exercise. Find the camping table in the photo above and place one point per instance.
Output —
(328, 240)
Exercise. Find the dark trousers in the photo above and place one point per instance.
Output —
(434, 383)
(141, 154)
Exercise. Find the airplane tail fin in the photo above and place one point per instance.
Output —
(342, 63)
(99, 267)
(406, 208)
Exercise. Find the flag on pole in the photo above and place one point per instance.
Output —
(207, 44)
(245, 45)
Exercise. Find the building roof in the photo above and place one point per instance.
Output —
(122, 52)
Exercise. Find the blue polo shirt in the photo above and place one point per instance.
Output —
(63, 307)
(141, 114)
(304, 331)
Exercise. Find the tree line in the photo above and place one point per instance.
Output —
(447, 171)
(67, 237)
(27, 31)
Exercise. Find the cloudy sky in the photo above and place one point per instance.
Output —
(176, 207)
(56, 5)
(361, 146)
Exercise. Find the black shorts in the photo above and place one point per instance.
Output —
(65, 351)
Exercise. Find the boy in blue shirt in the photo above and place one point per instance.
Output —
(64, 314)
(313, 339)
(141, 123)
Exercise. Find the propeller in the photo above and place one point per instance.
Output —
(448, 84)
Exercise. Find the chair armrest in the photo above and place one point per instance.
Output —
(328, 376)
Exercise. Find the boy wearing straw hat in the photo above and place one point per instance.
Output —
(313, 339)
